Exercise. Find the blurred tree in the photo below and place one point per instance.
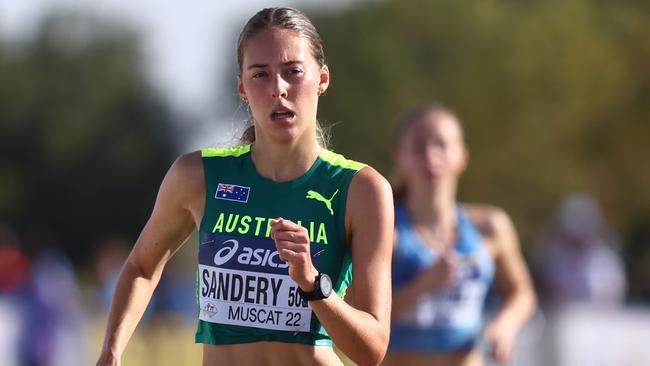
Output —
(84, 138)
(554, 95)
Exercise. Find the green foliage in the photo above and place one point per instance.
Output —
(84, 139)
(553, 95)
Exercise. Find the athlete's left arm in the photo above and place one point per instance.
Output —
(513, 282)
(361, 332)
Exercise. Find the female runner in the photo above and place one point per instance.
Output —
(281, 221)
(447, 254)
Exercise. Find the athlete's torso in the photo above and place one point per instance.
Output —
(269, 354)
(244, 291)
(450, 319)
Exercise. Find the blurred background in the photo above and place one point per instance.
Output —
(98, 97)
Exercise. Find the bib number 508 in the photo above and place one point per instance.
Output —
(295, 299)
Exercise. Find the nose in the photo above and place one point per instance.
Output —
(280, 87)
(433, 154)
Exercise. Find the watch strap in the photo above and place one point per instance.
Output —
(317, 294)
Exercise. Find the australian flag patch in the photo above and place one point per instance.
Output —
(232, 192)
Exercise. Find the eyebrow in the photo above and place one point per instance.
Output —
(288, 63)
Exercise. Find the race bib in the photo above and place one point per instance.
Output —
(244, 282)
(456, 306)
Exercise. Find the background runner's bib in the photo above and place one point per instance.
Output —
(460, 305)
(244, 290)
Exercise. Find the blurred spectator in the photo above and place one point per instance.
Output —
(40, 309)
(577, 257)
(111, 254)
(56, 312)
(14, 267)
(14, 280)
(173, 295)
(10, 330)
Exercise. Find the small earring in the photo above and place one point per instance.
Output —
(320, 92)
(244, 100)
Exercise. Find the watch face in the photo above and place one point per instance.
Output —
(325, 284)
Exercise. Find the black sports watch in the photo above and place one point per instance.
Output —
(322, 290)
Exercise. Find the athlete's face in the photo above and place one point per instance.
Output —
(431, 152)
(281, 80)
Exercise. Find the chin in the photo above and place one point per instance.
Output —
(431, 177)
(286, 136)
(278, 132)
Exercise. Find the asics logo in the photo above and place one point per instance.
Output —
(319, 197)
(224, 254)
(248, 256)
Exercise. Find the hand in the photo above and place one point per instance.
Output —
(292, 242)
(441, 274)
(501, 339)
(108, 359)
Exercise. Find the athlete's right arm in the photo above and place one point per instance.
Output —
(172, 221)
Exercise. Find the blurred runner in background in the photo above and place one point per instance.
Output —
(447, 254)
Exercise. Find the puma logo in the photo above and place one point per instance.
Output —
(319, 197)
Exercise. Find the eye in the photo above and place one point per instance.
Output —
(419, 146)
(294, 71)
(259, 74)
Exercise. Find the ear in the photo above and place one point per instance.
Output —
(324, 81)
(240, 88)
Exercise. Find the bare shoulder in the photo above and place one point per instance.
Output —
(367, 185)
(186, 177)
(491, 221)
(189, 165)
(370, 199)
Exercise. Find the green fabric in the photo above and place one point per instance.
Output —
(316, 200)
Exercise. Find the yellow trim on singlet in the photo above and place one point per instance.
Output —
(339, 160)
(225, 151)
(327, 155)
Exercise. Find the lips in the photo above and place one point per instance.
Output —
(282, 114)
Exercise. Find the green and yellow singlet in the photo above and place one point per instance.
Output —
(244, 290)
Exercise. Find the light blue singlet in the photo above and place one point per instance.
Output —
(451, 319)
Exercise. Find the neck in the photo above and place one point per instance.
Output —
(433, 208)
(284, 162)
